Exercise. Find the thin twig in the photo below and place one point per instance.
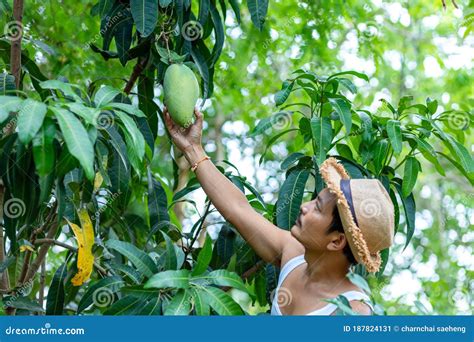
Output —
(137, 70)
(198, 230)
(42, 282)
(55, 242)
(41, 253)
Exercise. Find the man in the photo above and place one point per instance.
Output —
(349, 222)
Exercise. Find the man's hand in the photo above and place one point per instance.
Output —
(185, 138)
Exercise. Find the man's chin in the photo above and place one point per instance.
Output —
(294, 231)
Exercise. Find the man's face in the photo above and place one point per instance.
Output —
(314, 220)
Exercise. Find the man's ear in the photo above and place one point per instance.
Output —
(338, 241)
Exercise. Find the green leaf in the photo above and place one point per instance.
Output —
(89, 114)
(225, 244)
(219, 34)
(132, 130)
(236, 8)
(152, 308)
(24, 303)
(175, 279)
(224, 278)
(395, 135)
(282, 95)
(145, 15)
(101, 292)
(139, 292)
(43, 149)
(409, 208)
(201, 307)
(290, 198)
(412, 167)
(77, 140)
(165, 3)
(55, 299)
(123, 37)
(350, 72)
(9, 104)
(65, 88)
(291, 159)
(129, 109)
(142, 261)
(342, 304)
(105, 6)
(432, 105)
(199, 52)
(157, 203)
(171, 259)
(204, 257)
(260, 287)
(203, 11)
(129, 271)
(105, 95)
(347, 83)
(380, 153)
(430, 154)
(343, 108)
(30, 119)
(127, 305)
(221, 302)
(7, 83)
(180, 305)
(359, 281)
(463, 155)
(258, 11)
(321, 130)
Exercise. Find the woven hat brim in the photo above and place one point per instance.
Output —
(332, 172)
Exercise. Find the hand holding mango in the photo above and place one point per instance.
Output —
(181, 91)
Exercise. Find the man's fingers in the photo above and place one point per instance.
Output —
(199, 117)
(169, 122)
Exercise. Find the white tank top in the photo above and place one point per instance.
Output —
(324, 311)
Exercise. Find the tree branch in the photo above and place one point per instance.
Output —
(41, 253)
(137, 70)
(15, 52)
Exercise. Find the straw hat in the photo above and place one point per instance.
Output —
(366, 212)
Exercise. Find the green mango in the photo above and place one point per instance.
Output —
(181, 91)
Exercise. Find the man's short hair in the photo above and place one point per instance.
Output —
(336, 226)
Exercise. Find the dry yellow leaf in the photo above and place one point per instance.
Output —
(85, 241)
(24, 248)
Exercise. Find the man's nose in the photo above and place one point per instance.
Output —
(303, 210)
